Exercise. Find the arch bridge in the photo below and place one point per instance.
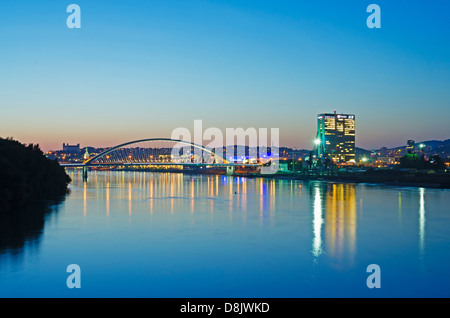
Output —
(159, 154)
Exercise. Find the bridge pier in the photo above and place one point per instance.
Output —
(230, 170)
(85, 173)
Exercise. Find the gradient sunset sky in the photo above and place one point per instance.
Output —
(139, 69)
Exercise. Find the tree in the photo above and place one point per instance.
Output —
(437, 162)
(27, 176)
(413, 161)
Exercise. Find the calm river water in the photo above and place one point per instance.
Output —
(141, 234)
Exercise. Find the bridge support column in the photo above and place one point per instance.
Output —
(85, 173)
(230, 170)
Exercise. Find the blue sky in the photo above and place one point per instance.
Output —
(139, 69)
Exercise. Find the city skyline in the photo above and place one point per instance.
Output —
(141, 70)
(428, 148)
(225, 156)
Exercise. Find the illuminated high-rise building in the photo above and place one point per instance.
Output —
(410, 146)
(336, 137)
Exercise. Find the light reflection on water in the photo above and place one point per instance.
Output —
(143, 234)
(422, 220)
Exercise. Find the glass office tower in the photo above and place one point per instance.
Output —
(336, 137)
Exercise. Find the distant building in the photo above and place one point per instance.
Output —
(410, 146)
(71, 148)
(336, 137)
(86, 154)
(386, 160)
(384, 151)
(373, 154)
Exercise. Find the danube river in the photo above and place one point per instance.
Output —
(141, 234)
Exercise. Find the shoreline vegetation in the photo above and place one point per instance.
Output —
(28, 177)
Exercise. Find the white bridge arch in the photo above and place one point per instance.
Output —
(94, 160)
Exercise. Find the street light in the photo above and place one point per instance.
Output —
(318, 143)
(421, 146)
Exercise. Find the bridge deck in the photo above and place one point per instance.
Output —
(75, 165)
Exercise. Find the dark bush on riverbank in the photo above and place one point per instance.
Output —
(413, 161)
(27, 176)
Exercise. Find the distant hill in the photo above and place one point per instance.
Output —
(430, 147)
(431, 144)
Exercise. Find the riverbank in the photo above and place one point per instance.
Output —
(389, 178)
(394, 177)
